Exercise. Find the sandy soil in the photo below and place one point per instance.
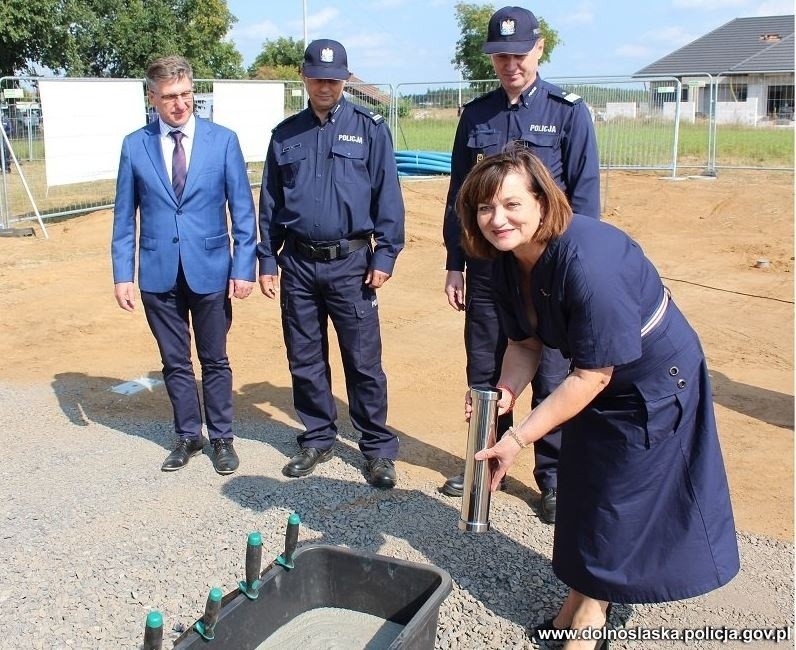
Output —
(61, 325)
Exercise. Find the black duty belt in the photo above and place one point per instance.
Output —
(325, 251)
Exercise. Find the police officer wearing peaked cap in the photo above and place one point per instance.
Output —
(332, 219)
(556, 126)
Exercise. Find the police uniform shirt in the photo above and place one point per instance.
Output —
(592, 289)
(554, 124)
(332, 181)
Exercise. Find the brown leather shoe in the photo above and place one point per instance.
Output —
(186, 449)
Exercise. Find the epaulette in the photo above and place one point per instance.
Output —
(376, 117)
(479, 98)
(563, 95)
(286, 120)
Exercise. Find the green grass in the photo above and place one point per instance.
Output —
(425, 135)
(641, 143)
(765, 147)
(25, 149)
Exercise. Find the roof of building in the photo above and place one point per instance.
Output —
(366, 93)
(757, 44)
(775, 58)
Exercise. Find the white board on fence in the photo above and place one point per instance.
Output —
(86, 121)
(251, 109)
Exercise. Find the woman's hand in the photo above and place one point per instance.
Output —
(507, 399)
(500, 456)
(504, 404)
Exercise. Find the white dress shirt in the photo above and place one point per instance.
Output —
(167, 142)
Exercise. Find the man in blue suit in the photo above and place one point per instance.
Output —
(181, 175)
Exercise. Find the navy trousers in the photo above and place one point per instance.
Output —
(312, 293)
(170, 316)
(485, 344)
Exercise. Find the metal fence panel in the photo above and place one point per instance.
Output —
(655, 123)
(22, 112)
(753, 122)
(634, 123)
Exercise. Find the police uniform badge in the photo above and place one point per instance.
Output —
(507, 28)
(479, 157)
(327, 55)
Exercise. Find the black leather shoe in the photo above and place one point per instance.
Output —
(454, 486)
(380, 473)
(549, 505)
(225, 459)
(304, 462)
(186, 448)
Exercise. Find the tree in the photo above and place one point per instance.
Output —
(202, 27)
(284, 51)
(277, 73)
(30, 31)
(222, 62)
(473, 20)
(116, 38)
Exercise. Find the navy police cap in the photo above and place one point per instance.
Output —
(325, 59)
(512, 30)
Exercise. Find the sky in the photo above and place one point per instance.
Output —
(413, 41)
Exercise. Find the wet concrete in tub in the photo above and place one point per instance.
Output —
(333, 628)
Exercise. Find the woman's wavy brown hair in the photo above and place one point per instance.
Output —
(485, 180)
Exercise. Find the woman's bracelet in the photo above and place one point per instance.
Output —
(503, 387)
(514, 435)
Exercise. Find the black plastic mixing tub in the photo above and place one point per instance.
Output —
(406, 593)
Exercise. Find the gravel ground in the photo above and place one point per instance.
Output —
(94, 535)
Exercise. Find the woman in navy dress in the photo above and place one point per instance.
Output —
(644, 511)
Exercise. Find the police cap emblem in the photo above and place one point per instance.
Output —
(507, 27)
(327, 55)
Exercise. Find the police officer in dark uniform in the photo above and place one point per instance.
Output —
(557, 127)
(332, 218)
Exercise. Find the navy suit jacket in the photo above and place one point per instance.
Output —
(195, 230)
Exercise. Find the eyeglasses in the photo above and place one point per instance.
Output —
(185, 96)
